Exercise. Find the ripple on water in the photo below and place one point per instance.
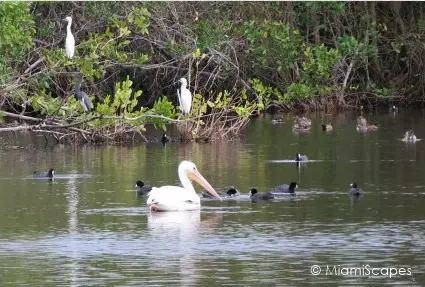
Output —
(262, 248)
(95, 233)
(294, 161)
(57, 176)
(235, 239)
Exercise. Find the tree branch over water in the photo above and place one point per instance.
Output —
(218, 124)
(130, 56)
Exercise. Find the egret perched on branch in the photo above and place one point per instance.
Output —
(70, 41)
(82, 96)
(185, 97)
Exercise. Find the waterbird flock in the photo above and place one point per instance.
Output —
(182, 198)
(176, 198)
(303, 124)
(188, 199)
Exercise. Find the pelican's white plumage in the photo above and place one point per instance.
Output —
(185, 96)
(70, 41)
(176, 198)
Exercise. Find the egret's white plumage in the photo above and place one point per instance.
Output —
(185, 96)
(70, 41)
(176, 198)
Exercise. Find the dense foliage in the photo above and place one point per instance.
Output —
(310, 55)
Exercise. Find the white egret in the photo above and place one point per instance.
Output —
(176, 198)
(70, 41)
(82, 96)
(185, 96)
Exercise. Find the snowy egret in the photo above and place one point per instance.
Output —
(185, 97)
(82, 96)
(176, 198)
(70, 41)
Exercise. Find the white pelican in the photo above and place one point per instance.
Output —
(70, 41)
(176, 198)
(185, 97)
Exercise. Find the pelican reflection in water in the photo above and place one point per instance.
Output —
(175, 237)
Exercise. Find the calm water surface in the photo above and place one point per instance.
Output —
(88, 228)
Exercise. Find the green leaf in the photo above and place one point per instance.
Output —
(210, 104)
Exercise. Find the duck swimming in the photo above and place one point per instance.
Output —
(327, 127)
(354, 190)
(300, 157)
(409, 137)
(302, 121)
(277, 121)
(142, 189)
(301, 124)
(361, 121)
(256, 196)
(42, 174)
(285, 188)
(362, 125)
(232, 192)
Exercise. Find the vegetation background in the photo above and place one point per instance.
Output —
(239, 58)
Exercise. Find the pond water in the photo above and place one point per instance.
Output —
(88, 227)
